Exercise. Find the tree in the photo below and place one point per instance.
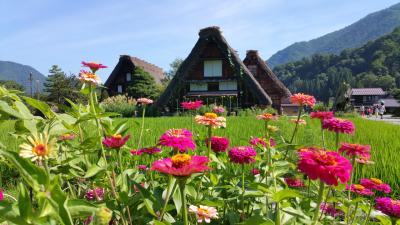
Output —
(59, 86)
(143, 85)
(10, 84)
(174, 66)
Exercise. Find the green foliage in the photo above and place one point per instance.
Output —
(142, 85)
(174, 66)
(123, 105)
(373, 65)
(12, 85)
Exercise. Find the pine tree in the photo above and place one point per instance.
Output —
(142, 85)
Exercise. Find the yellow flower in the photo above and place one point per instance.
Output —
(38, 147)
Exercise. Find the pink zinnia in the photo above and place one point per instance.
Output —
(1, 195)
(211, 119)
(180, 139)
(355, 149)
(360, 189)
(327, 166)
(144, 101)
(135, 152)
(204, 213)
(150, 150)
(93, 66)
(218, 109)
(255, 171)
(388, 206)
(181, 165)
(339, 125)
(364, 160)
(321, 115)
(115, 141)
(65, 137)
(192, 105)
(242, 155)
(375, 184)
(294, 182)
(299, 121)
(218, 144)
(256, 141)
(329, 209)
(303, 99)
(142, 167)
(96, 194)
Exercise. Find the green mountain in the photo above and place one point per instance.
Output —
(357, 34)
(376, 64)
(20, 74)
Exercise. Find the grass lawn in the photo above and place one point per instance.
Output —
(383, 138)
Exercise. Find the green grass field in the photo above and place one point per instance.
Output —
(383, 138)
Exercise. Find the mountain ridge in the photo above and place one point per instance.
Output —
(20, 73)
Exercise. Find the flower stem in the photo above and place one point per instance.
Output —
(337, 141)
(319, 200)
(323, 137)
(209, 141)
(368, 214)
(169, 191)
(142, 127)
(182, 185)
(243, 190)
(348, 216)
(294, 132)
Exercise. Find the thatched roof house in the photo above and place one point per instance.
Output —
(214, 72)
(121, 76)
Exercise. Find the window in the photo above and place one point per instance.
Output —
(213, 68)
(198, 86)
(213, 86)
(119, 88)
(128, 77)
(227, 85)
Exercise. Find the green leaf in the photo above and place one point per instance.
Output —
(80, 208)
(258, 220)
(5, 108)
(176, 197)
(284, 194)
(8, 213)
(214, 179)
(41, 106)
(93, 170)
(58, 199)
(24, 202)
(23, 110)
(384, 220)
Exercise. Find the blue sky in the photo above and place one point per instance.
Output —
(41, 33)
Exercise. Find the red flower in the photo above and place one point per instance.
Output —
(142, 167)
(294, 182)
(388, 206)
(242, 155)
(255, 141)
(355, 149)
(329, 209)
(93, 66)
(177, 138)
(360, 189)
(181, 165)
(255, 171)
(376, 184)
(192, 105)
(135, 152)
(150, 150)
(302, 99)
(327, 166)
(321, 115)
(115, 141)
(218, 144)
(338, 125)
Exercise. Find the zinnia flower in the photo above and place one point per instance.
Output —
(135, 152)
(150, 150)
(338, 125)
(360, 189)
(256, 141)
(272, 129)
(299, 121)
(267, 117)
(327, 166)
(294, 182)
(115, 141)
(302, 99)
(178, 139)
(321, 115)
(181, 165)
(86, 76)
(355, 149)
(364, 160)
(255, 171)
(142, 167)
(144, 101)
(65, 137)
(375, 184)
(96, 194)
(93, 66)
(1, 195)
(204, 213)
(388, 206)
(330, 210)
(218, 109)
(211, 119)
(218, 144)
(192, 105)
(39, 147)
(242, 154)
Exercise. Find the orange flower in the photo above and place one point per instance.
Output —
(302, 99)
(299, 122)
(267, 117)
(211, 119)
(86, 76)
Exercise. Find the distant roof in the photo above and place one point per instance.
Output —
(390, 102)
(367, 91)
(152, 69)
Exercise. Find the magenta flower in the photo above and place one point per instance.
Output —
(242, 155)
(360, 189)
(219, 109)
(93, 66)
(1, 195)
(142, 167)
(330, 210)
(135, 152)
(294, 182)
(181, 165)
(115, 141)
(255, 141)
(321, 115)
(180, 139)
(327, 166)
(339, 125)
(218, 144)
(355, 149)
(255, 171)
(150, 150)
(192, 105)
(96, 194)
(376, 184)
(388, 206)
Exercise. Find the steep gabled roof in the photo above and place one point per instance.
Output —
(205, 35)
(253, 55)
(367, 91)
(133, 62)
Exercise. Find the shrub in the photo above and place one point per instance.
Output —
(121, 104)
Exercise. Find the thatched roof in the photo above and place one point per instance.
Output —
(132, 62)
(206, 35)
(253, 55)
